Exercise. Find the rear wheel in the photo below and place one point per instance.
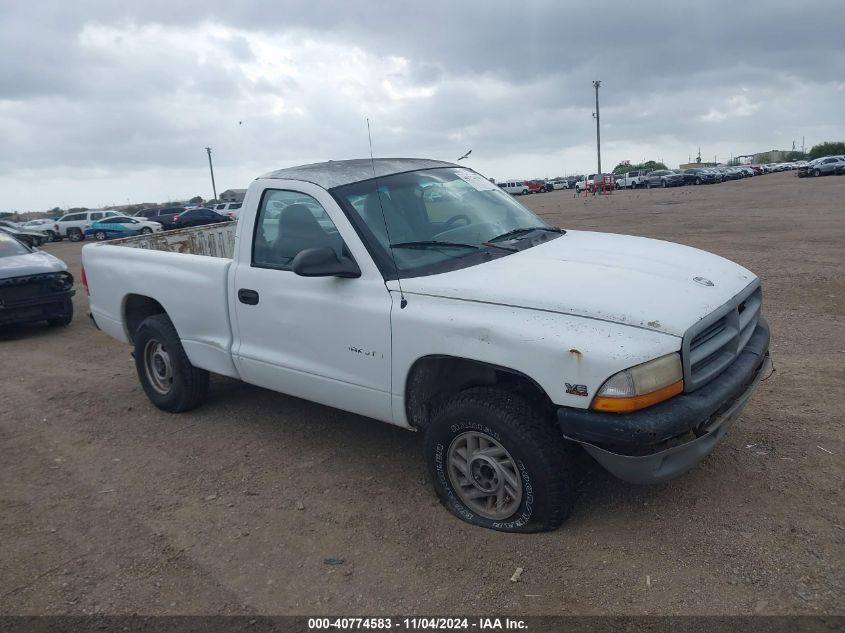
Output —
(497, 462)
(75, 235)
(663, 184)
(100, 235)
(648, 185)
(146, 230)
(169, 379)
(698, 181)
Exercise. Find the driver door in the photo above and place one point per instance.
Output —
(325, 339)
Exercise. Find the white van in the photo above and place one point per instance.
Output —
(229, 209)
(515, 187)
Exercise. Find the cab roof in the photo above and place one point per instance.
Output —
(336, 173)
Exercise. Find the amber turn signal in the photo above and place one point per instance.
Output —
(634, 403)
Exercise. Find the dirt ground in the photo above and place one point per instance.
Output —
(108, 505)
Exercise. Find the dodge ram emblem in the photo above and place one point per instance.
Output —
(703, 281)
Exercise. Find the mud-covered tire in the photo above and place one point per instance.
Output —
(532, 442)
(176, 387)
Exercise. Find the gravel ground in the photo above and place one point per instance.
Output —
(108, 505)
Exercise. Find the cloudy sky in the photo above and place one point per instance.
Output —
(104, 102)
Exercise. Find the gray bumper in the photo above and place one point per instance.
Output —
(672, 462)
(647, 446)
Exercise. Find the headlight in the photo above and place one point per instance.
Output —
(641, 386)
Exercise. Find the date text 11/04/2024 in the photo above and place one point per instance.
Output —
(417, 624)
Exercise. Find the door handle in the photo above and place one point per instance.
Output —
(247, 296)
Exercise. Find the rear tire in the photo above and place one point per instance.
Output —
(146, 230)
(169, 379)
(497, 462)
(648, 185)
(698, 181)
(663, 184)
(100, 235)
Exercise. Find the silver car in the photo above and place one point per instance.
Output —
(826, 166)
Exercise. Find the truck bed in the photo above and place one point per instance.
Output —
(168, 268)
(211, 240)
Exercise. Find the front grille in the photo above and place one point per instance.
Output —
(713, 343)
(18, 289)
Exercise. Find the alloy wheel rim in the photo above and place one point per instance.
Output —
(158, 368)
(484, 475)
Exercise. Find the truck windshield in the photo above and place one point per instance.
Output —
(435, 220)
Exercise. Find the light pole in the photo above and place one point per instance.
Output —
(211, 169)
(597, 85)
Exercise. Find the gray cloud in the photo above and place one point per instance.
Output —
(94, 88)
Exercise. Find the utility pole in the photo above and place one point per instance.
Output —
(211, 168)
(597, 85)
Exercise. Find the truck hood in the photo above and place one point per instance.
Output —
(36, 263)
(646, 283)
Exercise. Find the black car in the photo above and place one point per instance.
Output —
(166, 216)
(34, 285)
(698, 176)
(198, 217)
(663, 178)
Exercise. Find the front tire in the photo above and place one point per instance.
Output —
(498, 462)
(146, 230)
(100, 235)
(817, 172)
(169, 379)
(663, 184)
(75, 235)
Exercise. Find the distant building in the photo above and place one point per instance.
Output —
(773, 156)
(692, 165)
(233, 195)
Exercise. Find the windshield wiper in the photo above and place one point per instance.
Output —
(433, 244)
(527, 229)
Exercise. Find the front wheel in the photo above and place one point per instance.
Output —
(663, 184)
(497, 462)
(817, 173)
(648, 185)
(169, 379)
(698, 181)
(146, 230)
(100, 235)
(75, 235)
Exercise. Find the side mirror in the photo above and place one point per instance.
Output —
(322, 262)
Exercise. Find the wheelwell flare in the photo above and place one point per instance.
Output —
(136, 308)
(432, 380)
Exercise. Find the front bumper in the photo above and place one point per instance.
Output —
(41, 308)
(649, 446)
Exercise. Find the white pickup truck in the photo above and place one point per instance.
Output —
(507, 341)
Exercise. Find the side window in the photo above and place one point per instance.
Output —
(236, 206)
(96, 216)
(289, 222)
